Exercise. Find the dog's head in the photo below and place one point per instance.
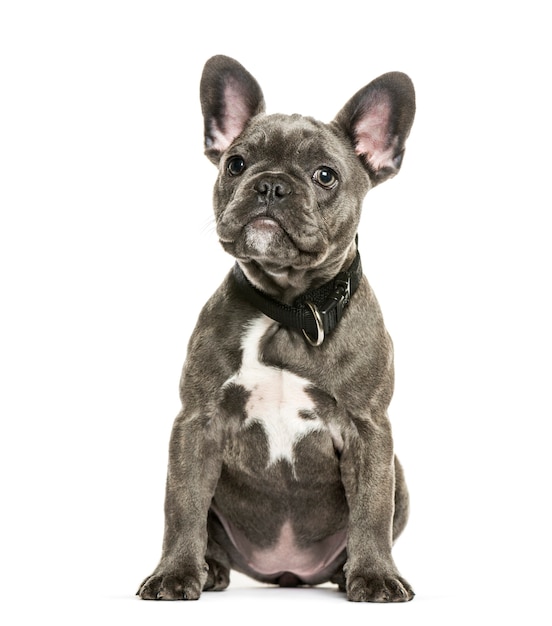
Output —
(290, 189)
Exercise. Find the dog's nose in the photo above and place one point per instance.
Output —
(272, 189)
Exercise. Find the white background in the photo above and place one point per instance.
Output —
(108, 251)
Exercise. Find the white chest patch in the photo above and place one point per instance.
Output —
(276, 399)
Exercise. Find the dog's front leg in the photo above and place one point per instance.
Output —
(195, 459)
(368, 474)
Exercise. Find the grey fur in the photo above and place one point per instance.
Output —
(219, 475)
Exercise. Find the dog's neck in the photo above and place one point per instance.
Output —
(286, 284)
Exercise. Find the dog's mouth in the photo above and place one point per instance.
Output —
(265, 239)
(265, 224)
(280, 230)
(257, 226)
(266, 236)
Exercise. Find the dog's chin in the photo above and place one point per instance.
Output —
(265, 241)
(265, 237)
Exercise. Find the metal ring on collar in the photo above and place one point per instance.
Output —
(319, 326)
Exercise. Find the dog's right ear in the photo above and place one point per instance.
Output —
(230, 97)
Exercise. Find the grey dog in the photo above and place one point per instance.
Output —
(281, 461)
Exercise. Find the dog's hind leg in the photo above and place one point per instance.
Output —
(218, 576)
(402, 502)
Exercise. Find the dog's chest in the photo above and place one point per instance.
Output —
(277, 400)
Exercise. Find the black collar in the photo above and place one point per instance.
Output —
(316, 312)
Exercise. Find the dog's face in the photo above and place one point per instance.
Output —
(290, 189)
(289, 193)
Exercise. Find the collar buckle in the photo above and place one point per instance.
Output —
(327, 316)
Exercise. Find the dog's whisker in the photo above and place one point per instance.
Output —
(209, 227)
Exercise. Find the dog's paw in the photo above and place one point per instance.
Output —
(171, 587)
(218, 576)
(378, 588)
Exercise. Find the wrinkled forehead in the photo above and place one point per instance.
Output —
(290, 136)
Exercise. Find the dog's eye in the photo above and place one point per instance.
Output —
(235, 165)
(325, 177)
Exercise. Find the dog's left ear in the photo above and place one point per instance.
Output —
(377, 120)
(230, 97)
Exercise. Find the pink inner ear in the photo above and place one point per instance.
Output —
(236, 115)
(372, 134)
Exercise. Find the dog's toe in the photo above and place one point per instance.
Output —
(170, 587)
(376, 588)
(218, 576)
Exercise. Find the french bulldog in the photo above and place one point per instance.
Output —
(281, 461)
